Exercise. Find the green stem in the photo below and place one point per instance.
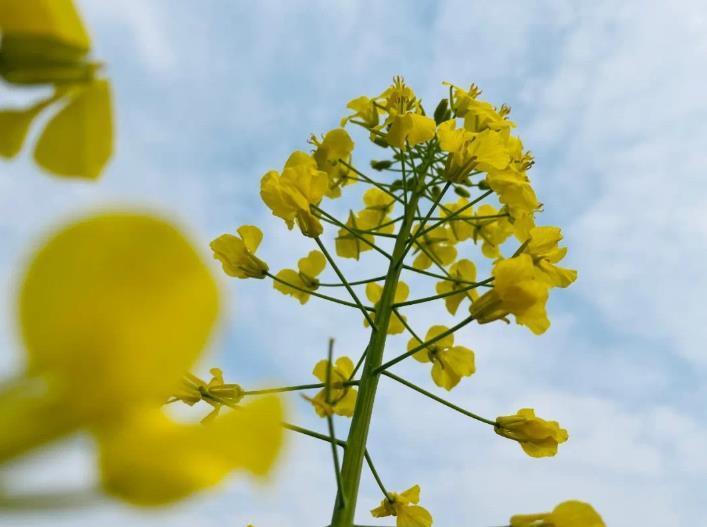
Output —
(352, 232)
(341, 276)
(414, 350)
(312, 433)
(443, 295)
(330, 425)
(298, 387)
(439, 399)
(357, 282)
(371, 466)
(360, 424)
(438, 276)
(454, 214)
(371, 181)
(318, 295)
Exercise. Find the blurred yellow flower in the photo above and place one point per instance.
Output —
(303, 280)
(464, 271)
(148, 459)
(342, 399)
(537, 437)
(237, 253)
(570, 513)
(449, 362)
(375, 291)
(291, 194)
(405, 509)
(114, 310)
(516, 290)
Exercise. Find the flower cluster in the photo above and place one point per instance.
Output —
(466, 146)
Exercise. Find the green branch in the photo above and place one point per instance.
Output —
(318, 295)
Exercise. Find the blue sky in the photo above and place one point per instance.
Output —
(610, 98)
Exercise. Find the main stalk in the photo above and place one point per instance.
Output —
(343, 515)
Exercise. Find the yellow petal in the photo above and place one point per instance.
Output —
(413, 516)
(252, 236)
(313, 264)
(290, 276)
(14, 125)
(373, 292)
(78, 141)
(118, 306)
(149, 460)
(576, 514)
(444, 342)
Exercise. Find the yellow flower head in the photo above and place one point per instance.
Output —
(465, 272)
(215, 392)
(491, 232)
(349, 245)
(291, 194)
(537, 437)
(436, 245)
(482, 151)
(479, 115)
(336, 145)
(461, 226)
(150, 460)
(449, 362)
(237, 254)
(365, 112)
(374, 293)
(405, 509)
(379, 205)
(410, 129)
(298, 283)
(543, 248)
(516, 290)
(342, 399)
(570, 513)
(514, 190)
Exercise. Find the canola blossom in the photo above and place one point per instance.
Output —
(44, 43)
(411, 225)
(114, 309)
(570, 513)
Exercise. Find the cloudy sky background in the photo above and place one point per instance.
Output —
(611, 99)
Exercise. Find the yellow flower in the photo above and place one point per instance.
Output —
(336, 145)
(410, 129)
(114, 310)
(237, 254)
(150, 460)
(303, 280)
(365, 111)
(449, 362)
(342, 399)
(543, 248)
(570, 513)
(492, 231)
(374, 293)
(463, 270)
(461, 227)
(291, 194)
(379, 205)
(537, 437)
(436, 245)
(478, 115)
(469, 151)
(350, 246)
(516, 290)
(43, 41)
(215, 392)
(404, 507)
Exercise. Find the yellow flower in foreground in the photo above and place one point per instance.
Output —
(410, 129)
(291, 194)
(404, 507)
(365, 111)
(463, 270)
(516, 290)
(492, 232)
(336, 145)
(342, 399)
(114, 310)
(303, 280)
(374, 293)
(150, 460)
(543, 248)
(237, 254)
(449, 362)
(537, 437)
(570, 513)
(478, 115)
(436, 246)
